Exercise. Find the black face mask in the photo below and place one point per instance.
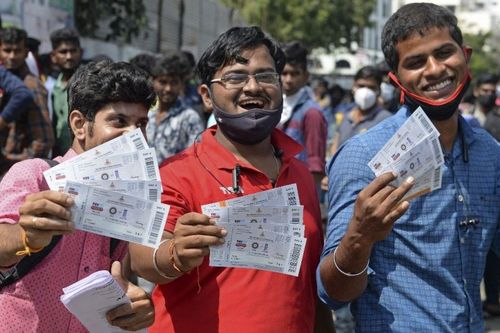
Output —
(248, 128)
(434, 110)
(487, 101)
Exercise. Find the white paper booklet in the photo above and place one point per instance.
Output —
(117, 215)
(91, 298)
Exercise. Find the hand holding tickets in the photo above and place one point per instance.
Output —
(414, 150)
(265, 230)
(115, 194)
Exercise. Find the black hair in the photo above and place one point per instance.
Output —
(227, 49)
(144, 61)
(172, 63)
(97, 84)
(369, 72)
(486, 78)
(13, 35)
(64, 35)
(296, 54)
(416, 18)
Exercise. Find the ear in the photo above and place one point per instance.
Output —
(203, 90)
(53, 57)
(78, 124)
(467, 53)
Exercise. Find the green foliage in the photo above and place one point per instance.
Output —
(317, 23)
(125, 18)
(485, 53)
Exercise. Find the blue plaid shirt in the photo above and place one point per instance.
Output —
(175, 132)
(424, 277)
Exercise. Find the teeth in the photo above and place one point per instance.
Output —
(440, 85)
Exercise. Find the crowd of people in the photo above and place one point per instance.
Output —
(380, 262)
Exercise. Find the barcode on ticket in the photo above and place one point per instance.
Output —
(155, 229)
(139, 145)
(150, 168)
(294, 258)
(153, 194)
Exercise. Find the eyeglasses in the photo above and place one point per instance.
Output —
(239, 80)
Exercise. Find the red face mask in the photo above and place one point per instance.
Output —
(441, 110)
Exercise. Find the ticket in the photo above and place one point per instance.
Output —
(117, 215)
(415, 129)
(416, 161)
(429, 181)
(128, 142)
(247, 247)
(145, 189)
(137, 165)
(280, 196)
(256, 214)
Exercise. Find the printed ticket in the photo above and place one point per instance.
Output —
(416, 161)
(253, 247)
(416, 128)
(145, 189)
(253, 215)
(128, 142)
(280, 196)
(117, 215)
(137, 165)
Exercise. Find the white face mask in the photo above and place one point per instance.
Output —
(365, 98)
(386, 91)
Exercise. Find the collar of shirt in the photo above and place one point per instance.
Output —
(226, 160)
(369, 116)
(59, 85)
(290, 102)
(172, 112)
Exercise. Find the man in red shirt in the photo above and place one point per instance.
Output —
(240, 83)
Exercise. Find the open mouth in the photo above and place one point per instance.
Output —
(252, 104)
(442, 85)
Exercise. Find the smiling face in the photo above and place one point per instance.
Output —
(252, 95)
(431, 66)
(168, 88)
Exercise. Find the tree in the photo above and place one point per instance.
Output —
(316, 23)
(485, 52)
(125, 18)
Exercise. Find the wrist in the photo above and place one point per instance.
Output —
(156, 266)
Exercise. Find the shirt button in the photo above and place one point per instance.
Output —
(462, 240)
(86, 269)
(460, 198)
(465, 282)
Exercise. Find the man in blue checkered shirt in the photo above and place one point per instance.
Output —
(415, 266)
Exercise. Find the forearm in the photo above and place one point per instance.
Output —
(142, 262)
(351, 256)
(10, 243)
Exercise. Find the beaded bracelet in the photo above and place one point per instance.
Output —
(155, 265)
(345, 273)
(27, 249)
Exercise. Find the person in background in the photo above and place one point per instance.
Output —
(31, 134)
(366, 112)
(302, 118)
(415, 266)
(145, 61)
(172, 126)
(67, 55)
(485, 96)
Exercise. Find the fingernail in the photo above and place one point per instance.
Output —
(223, 232)
(212, 221)
(71, 225)
(221, 240)
(395, 174)
(70, 201)
(410, 180)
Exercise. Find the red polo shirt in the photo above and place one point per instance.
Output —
(235, 299)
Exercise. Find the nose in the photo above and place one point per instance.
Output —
(252, 84)
(434, 67)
